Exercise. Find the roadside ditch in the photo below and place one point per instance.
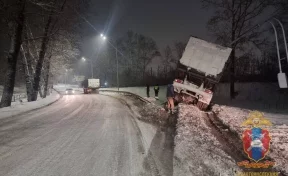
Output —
(191, 142)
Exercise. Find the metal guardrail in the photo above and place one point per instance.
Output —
(127, 93)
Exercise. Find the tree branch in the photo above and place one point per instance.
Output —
(40, 37)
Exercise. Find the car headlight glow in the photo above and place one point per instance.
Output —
(73, 91)
(66, 91)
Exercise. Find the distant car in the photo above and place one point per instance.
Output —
(69, 91)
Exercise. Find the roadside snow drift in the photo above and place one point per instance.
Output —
(197, 151)
(20, 107)
(233, 117)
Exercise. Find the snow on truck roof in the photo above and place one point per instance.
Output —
(205, 56)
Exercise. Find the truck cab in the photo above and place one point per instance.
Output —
(198, 72)
(193, 87)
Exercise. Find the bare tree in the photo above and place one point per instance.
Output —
(179, 49)
(168, 57)
(138, 51)
(48, 30)
(47, 19)
(16, 39)
(147, 50)
(232, 20)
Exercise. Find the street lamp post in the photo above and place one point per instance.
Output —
(66, 78)
(117, 70)
(282, 79)
(277, 47)
(91, 64)
(284, 36)
(91, 69)
(116, 52)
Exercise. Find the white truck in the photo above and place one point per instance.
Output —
(198, 71)
(91, 86)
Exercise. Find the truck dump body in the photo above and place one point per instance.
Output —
(205, 57)
(91, 85)
(199, 70)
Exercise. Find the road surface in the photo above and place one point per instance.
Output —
(78, 135)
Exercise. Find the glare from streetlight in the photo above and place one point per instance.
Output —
(103, 36)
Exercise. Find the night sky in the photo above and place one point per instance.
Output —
(165, 21)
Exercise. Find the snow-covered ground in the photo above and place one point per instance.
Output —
(233, 117)
(19, 92)
(24, 106)
(266, 97)
(197, 151)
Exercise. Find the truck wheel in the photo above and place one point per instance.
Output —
(178, 98)
(202, 106)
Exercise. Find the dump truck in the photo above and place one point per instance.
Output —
(199, 71)
(91, 86)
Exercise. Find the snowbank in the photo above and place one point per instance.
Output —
(197, 151)
(233, 117)
(20, 107)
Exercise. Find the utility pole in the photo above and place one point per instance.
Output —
(66, 78)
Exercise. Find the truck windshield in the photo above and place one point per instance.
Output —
(180, 74)
(194, 80)
(209, 85)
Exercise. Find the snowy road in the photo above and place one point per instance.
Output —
(77, 135)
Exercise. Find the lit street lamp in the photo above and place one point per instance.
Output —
(91, 64)
(282, 78)
(116, 51)
(66, 75)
